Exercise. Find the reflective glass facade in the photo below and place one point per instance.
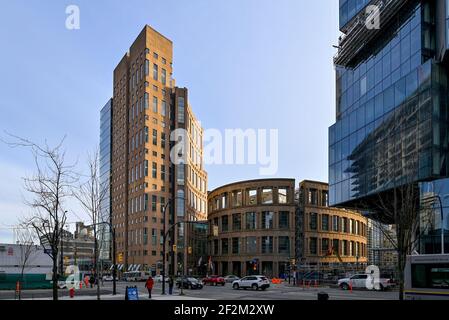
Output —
(434, 218)
(350, 8)
(105, 178)
(391, 113)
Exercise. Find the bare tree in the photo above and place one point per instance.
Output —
(27, 253)
(401, 207)
(91, 195)
(48, 188)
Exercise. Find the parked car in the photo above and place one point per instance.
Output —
(231, 278)
(158, 278)
(360, 281)
(214, 281)
(189, 283)
(253, 282)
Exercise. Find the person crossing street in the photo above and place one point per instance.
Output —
(149, 285)
(171, 283)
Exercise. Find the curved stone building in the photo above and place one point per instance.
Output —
(252, 227)
(328, 237)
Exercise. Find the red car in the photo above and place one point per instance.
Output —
(214, 281)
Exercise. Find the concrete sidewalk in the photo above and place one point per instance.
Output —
(107, 297)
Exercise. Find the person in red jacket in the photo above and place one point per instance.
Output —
(149, 285)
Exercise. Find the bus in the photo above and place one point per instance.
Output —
(136, 276)
(427, 277)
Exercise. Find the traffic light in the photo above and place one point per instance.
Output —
(174, 248)
(189, 250)
(255, 266)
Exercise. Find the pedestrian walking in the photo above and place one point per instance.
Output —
(149, 285)
(86, 281)
(171, 283)
(92, 281)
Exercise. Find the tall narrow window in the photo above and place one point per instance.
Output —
(146, 134)
(282, 195)
(155, 72)
(267, 220)
(325, 222)
(147, 100)
(155, 104)
(163, 172)
(284, 245)
(147, 67)
(224, 224)
(164, 77)
(145, 203)
(313, 246)
(267, 244)
(335, 223)
(324, 246)
(180, 203)
(154, 170)
(236, 221)
(251, 244)
(235, 245)
(146, 168)
(267, 196)
(181, 108)
(250, 223)
(180, 174)
(252, 197)
(163, 108)
(163, 140)
(154, 137)
(236, 198)
(153, 203)
(283, 219)
(313, 221)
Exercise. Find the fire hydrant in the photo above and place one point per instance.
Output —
(72, 292)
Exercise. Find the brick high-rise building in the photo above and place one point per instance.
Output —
(147, 111)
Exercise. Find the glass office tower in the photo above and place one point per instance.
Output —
(105, 180)
(391, 103)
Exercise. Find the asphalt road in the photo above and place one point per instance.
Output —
(275, 292)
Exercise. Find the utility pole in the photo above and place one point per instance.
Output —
(164, 215)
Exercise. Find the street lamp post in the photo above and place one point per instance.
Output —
(114, 262)
(163, 247)
(165, 237)
(164, 209)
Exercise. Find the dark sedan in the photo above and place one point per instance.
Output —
(189, 283)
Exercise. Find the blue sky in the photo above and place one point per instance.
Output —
(259, 64)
